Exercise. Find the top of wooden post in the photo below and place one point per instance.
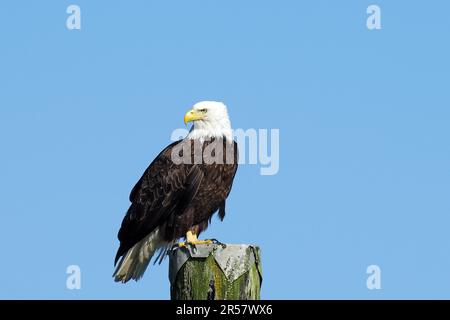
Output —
(234, 259)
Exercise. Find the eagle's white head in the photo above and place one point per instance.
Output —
(210, 120)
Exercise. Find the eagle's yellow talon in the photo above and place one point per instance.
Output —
(191, 238)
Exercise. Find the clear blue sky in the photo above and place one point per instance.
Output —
(364, 119)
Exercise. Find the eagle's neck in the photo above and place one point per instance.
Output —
(207, 130)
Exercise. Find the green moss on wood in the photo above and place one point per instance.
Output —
(203, 279)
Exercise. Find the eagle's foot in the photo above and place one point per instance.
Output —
(192, 240)
(200, 242)
(194, 243)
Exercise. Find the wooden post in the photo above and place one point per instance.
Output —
(215, 272)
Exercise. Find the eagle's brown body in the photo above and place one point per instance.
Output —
(178, 197)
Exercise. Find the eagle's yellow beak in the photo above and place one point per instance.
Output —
(193, 115)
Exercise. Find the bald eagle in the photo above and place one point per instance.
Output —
(176, 197)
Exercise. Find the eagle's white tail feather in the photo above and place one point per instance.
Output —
(136, 260)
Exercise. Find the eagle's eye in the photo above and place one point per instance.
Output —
(203, 110)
